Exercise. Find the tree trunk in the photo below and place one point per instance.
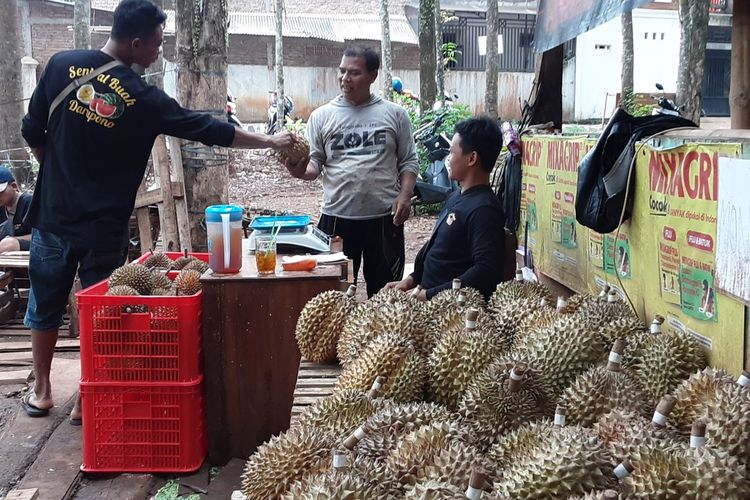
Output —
(82, 24)
(11, 87)
(427, 85)
(439, 66)
(626, 95)
(156, 71)
(491, 62)
(693, 36)
(202, 85)
(386, 74)
(739, 93)
(280, 99)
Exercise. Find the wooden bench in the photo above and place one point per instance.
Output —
(314, 382)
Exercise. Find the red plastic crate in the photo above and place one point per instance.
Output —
(143, 428)
(140, 339)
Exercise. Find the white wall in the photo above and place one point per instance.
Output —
(599, 60)
(313, 87)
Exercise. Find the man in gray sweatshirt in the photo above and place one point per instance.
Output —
(362, 148)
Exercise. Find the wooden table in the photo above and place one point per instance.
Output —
(250, 353)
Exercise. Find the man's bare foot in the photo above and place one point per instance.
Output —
(76, 413)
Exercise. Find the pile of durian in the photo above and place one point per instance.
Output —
(510, 399)
(152, 278)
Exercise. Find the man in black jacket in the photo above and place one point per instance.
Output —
(467, 241)
(93, 150)
(15, 233)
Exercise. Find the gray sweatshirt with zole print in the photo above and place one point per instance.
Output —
(360, 153)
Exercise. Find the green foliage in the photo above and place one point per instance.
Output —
(642, 109)
(449, 51)
(299, 126)
(170, 492)
(411, 106)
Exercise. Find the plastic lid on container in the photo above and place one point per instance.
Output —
(213, 213)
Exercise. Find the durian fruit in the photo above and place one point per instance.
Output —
(519, 442)
(515, 290)
(371, 320)
(188, 282)
(695, 395)
(164, 292)
(136, 276)
(157, 260)
(340, 413)
(463, 295)
(320, 324)
(299, 151)
(665, 360)
(601, 389)
(601, 311)
(599, 495)
(501, 398)
(562, 351)
(393, 357)
(159, 281)
(285, 458)
(123, 291)
(435, 490)
(458, 357)
(728, 421)
(181, 262)
(622, 431)
(386, 427)
(569, 461)
(439, 452)
(196, 265)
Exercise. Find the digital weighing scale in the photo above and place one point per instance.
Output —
(296, 234)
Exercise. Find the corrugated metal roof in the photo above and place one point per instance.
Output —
(504, 6)
(333, 28)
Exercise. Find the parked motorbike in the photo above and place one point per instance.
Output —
(435, 185)
(232, 110)
(272, 123)
(665, 106)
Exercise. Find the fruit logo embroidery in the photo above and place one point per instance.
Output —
(102, 109)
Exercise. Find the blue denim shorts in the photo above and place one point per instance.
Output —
(53, 263)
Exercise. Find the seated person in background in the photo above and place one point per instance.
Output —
(15, 233)
(468, 240)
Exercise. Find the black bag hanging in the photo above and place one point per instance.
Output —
(603, 173)
(511, 198)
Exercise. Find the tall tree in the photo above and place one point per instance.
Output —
(11, 87)
(386, 73)
(626, 90)
(439, 66)
(280, 99)
(427, 59)
(491, 62)
(693, 36)
(82, 24)
(202, 85)
(739, 90)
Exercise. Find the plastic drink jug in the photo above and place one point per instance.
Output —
(224, 228)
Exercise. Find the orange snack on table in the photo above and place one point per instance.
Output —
(300, 265)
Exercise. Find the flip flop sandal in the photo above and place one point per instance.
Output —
(75, 421)
(30, 409)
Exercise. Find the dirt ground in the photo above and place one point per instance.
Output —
(258, 182)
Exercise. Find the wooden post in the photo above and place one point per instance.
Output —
(144, 223)
(491, 62)
(180, 204)
(739, 93)
(160, 157)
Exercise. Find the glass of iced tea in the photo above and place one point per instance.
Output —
(265, 255)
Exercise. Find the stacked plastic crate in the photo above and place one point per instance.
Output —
(141, 381)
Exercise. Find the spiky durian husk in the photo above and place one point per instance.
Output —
(299, 151)
(539, 318)
(728, 422)
(284, 459)
(340, 413)
(188, 282)
(164, 292)
(675, 471)
(435, 490)
(621, 328)
(122, 290)
(159, 281)
(157, 260)
(600, 390)
(519, 442)
(634, 348)
(512, 291)
(320, 324)
(393, 357)
(569, 461)
(508, 317)
(695, 395)
(180, 263)
(440, 452)
(491, 409)
(562, 351)
(622, 431)
(449, 297)
(368, 321)
(456, 359)
(388, 426)
(452, 319)
(599, 311)
(136, 276)
(599, 495)
(665, 360)
(125, 291)
(196, 265)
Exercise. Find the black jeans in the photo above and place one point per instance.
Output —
(377, 241)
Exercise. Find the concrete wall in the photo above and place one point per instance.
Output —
(599, 55)
(313, 87)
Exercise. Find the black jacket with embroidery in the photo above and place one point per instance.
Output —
(467, 242)
(97, 144)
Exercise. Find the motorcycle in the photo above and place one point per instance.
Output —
(272, 123)
(232, 110)
(435, 185)
(664, 106)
